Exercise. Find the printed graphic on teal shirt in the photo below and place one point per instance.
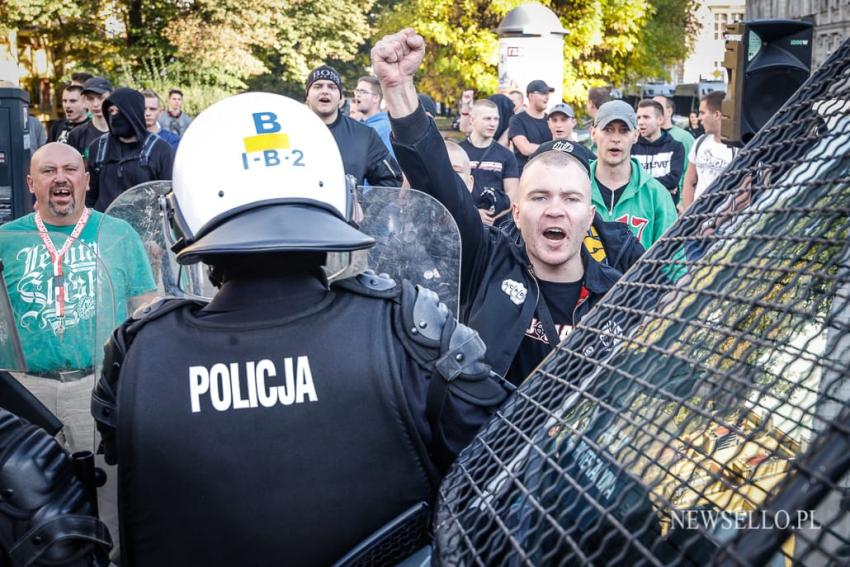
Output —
(29, 279)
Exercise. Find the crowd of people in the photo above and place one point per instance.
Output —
(547, 225)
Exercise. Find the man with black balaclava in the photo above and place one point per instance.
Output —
(128, 154)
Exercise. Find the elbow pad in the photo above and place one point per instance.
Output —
(46, 517)
(456, 353)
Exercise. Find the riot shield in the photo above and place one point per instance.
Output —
(142, 209)
(417, 239)
(53, 325)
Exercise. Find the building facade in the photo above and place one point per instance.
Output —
(705, 63)
(831, 18)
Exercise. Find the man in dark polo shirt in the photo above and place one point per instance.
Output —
(529, 129)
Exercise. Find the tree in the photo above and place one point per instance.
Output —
(221, 44)
(610, 41)
(73, 34)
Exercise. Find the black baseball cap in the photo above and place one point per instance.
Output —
(538, 86)
(97, 85)
(564, 146)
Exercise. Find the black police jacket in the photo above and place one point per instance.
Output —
(284, 422)
(364, 155)
(491, 261)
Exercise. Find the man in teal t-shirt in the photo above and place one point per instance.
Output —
(116, 262)
(105, 256)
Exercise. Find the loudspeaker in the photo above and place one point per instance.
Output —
(767, 61)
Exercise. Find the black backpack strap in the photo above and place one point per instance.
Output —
(147, 148)
(103, 402)
(698, 143)
(100, 154)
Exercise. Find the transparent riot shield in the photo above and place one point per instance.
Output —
(11, 354)
(52, 326)
(141, 208)
(417, 239)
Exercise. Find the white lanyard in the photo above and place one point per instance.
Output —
(56, 260)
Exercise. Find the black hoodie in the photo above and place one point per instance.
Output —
(499, 295)
(664, 159)
(116, 166)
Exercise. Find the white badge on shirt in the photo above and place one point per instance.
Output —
(515, 291)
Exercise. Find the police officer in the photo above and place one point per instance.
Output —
(287, 419)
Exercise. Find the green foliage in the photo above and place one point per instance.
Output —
(609, 41)
(211, 48)
(462, 46)
(208, 47)
(157, 73)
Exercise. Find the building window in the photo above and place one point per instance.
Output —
(720, 21)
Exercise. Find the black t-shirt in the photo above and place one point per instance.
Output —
(561, 298)
(82, 137)
(61, 130)
(610, 196)
(490, 166)
(536, 130)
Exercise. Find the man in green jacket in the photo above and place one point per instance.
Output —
(622, 190)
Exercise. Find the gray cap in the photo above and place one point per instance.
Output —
(563, 108)
(616, 110)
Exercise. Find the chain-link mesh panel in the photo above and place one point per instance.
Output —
(699, 413)
(394, 542)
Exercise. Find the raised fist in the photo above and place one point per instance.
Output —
(396, 58)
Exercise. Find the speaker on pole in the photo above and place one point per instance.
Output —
(767, 61)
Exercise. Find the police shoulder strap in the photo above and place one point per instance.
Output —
(455, 355)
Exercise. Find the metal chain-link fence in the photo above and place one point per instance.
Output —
(700, 413)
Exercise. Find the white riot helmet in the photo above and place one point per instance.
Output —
(260, 172)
